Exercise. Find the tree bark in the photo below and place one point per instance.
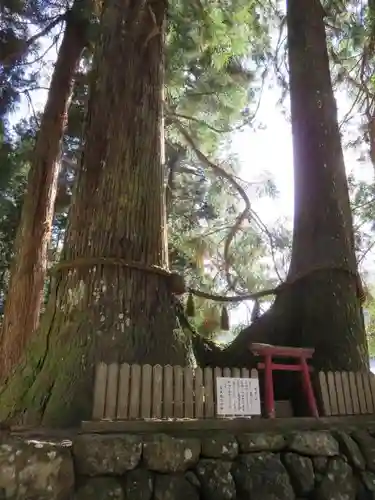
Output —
(28, 271)
(318, 307)
(323, 240)
(106, 311)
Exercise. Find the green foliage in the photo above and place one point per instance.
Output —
(214, 70)
(14, 166)
(207, 70)
(19, 47)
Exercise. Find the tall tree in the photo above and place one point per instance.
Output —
(24, 298)
(14, 166)
(319, 304)
(114, 250)
(111, 300)
(323, 265)
(206, 87)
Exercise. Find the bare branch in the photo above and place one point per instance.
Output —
(28, 97)
(202, 122)
(23, 47)
(226, 175)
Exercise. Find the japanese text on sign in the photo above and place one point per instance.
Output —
(237, 396)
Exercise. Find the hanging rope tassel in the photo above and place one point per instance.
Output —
(224, 320)
(190, 306)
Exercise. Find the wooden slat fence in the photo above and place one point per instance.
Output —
(129, 392)
(347, 393)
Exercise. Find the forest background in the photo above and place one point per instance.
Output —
(247, 130)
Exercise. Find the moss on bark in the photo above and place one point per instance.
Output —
(28, 272)
(105, 312)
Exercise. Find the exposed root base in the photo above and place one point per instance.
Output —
(54, 383)
(320, 311)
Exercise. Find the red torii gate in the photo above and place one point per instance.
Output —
(301, 355)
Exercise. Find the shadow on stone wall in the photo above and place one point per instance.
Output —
(318, 465)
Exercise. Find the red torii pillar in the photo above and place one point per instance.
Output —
(301, 355)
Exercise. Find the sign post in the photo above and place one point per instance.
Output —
(238, 397)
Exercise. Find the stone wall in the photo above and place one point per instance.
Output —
(318, 465)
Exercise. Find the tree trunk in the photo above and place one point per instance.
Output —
(28, 271)
(104, 310)
(323, 242)
(318, 307)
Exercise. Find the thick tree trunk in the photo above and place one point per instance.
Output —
(323, 243)
(106, 310)
(319, 306)
(25, 294)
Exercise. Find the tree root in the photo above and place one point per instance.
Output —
(321, 310)
(273, 327)
(52, 385)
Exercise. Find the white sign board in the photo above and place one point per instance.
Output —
(237, 396)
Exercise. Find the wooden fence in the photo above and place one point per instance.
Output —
(347, 393)
(131, 392)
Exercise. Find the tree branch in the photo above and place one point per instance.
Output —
(224, 130)
(248, 212)
(23, 47)
(226, 175)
